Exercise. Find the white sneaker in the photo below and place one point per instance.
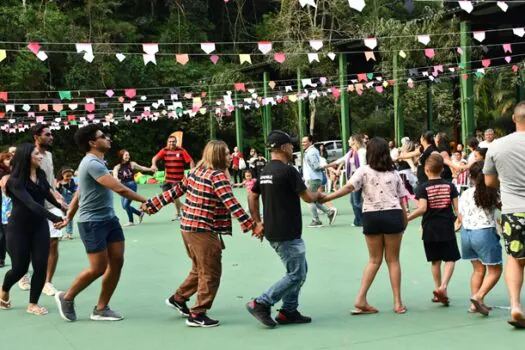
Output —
(24, 282)
(49, 289)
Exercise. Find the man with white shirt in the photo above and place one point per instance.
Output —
(313, 175)
(489, 137)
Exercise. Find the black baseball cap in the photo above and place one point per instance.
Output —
(277, 138)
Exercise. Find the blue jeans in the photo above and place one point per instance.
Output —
(481, 244)
(357, 206)
(126, 203)
(313, 186)
(293, 256)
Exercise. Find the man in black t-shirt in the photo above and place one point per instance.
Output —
(281, 187)
(259, 163)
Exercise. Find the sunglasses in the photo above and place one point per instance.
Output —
(103, 136)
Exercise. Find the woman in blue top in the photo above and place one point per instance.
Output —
(123, 171)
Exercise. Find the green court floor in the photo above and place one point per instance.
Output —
(156, 263)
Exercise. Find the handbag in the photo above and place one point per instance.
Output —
(242, 164)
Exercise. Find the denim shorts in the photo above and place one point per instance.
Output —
(481, 244)
(97, 234)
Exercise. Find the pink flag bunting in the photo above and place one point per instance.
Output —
(182, 58)
(369, 55)
(507, 48)
(485, 63)
(34, 47)
(279, 57)
(336, 92)
(89, 107)
(214, 59)
(362, 77)
(508, 59)
(58, 107)
(240, 87)
(430, 53)
(379, 88)
(110, 93)
(130, 93)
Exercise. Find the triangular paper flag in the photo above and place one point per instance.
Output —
(89, 107)
(182, 58)
(43, 107)
(358, 5)
(65, 95)
(245, 58)
(214, 59)
(3, 96)
(265, 46)
(57, 107)
(149, 59)
(423, 39)
(150, 49)
(479, 36)
(362, 77)
(10, 108)
(316, 44)
(73, 106)
(515, 68)
(323, 80)
(519, 32)
(208, 47)
(308, 2)
(370, 75)
(379, 88)
(84, 47)
(289, 88)
(402, 54)
(507, 48)
(130, 93)
(508, 59)
(110, 93)
(466, 6)
(240, 87)
(26, 107)
(371, 43)
(120, 57)
(331, 55)
(271, 84)
(313, 57)
(429, 53)
(3, 55)
(41, 56)
(89, 57)
(485, 63)
(369, 55)
(305, 82)
(34, 47)
(503, 6)
(279, 57)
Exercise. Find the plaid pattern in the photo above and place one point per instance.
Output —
(209, 202)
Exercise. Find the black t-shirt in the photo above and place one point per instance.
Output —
(259, 165)
(403, 165)
(446, 173)
(438, 220)
(421, 176)
(280, 186)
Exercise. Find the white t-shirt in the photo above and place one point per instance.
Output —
(474, 217)
(484, 144)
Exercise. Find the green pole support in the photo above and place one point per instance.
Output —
(238, 123)
(300, 110)
(430, 107)
(521, 85)
(211, 120)
(399, 124)
(267, 113)
(345, 115)
(467, 88)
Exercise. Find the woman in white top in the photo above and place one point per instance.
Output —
(479, 238)
(384, 219)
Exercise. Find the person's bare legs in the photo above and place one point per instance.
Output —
(476, 280)
(436, 273)
(112, 274)
(447, 275)
(98, 263)
(375, 251)
(514, 281)
(52, 260)
(178, 206)
(392, 248)
(492, 278)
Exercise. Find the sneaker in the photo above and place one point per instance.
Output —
(182, 308)
(176, 218)
(284, 317)
(66, 308)
(261, 312)
(24, 283)
(49, 289)
(316, 223)
(129, 224)
(201, 320)
(106, 314)
(331, 215)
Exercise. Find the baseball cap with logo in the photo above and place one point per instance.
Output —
(277, 138)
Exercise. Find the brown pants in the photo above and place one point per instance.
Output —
(205, 251)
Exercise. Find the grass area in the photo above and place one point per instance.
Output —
(156, 263)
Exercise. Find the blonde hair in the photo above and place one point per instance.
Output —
(214, 156)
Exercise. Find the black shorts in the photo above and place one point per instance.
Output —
(383, 222)
(442, 251)
(97, 234)
(514, 234)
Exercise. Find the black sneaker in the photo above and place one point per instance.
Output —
(284, 317)
(331, 215)
(261, 312)
(201, 320)
(316, 223)
(182, 308)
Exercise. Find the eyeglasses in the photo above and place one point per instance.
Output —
(102, 136)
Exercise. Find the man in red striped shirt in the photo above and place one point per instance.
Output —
(175, 160)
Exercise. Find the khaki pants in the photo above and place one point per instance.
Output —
(205, 251)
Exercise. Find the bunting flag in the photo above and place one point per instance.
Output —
(279, 57)
(87, 49)
(358, 5)
(479, 36)
(331, 55)
(120, 57)
(313, 57)
(423, 39)
(245, 58)
(65, 95)
(34, 47)
(308, 2)
(316, 44)
(214, 59)
(264, 46)
(42, 56)
(466, 6)
(182, 58)
(149, 59)
(503, 6)
(402, 54)
(429, 53)
(507, 48)
(369, 55)
(4, 96)
(130, 93)
(3, 55)
(519, 32)
(371, 43)
(208, 47)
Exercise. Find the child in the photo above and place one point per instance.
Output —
(66, 187)
(436, 198)
(479, 237)
(248, 182)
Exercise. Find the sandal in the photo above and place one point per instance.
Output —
(480, 307)
(518, 320)
(364, 310)
(401, 310)
(37, 310)
(441, 297)
(435, 299)
(5, 305)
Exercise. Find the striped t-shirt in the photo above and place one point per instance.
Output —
(175, 160)
(209, 203)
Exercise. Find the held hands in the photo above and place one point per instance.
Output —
(144, 208)
(61, 224)
(258, 231)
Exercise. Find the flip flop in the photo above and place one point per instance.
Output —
(38, 311)
(441, 297)
(517, 321)
(364, 310)
(5, 305)
(402, 310)
(480, 307)
(435, 299)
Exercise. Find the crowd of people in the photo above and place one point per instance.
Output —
(451, 190)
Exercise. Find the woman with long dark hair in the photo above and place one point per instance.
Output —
(28, 230)
(479, 238)
(123, 172)
(384, 219)
(443, 146)
(5, 202)
(428, 146)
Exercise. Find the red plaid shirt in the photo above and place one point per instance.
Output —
(209, 203)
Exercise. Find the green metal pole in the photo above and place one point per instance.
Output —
(345, 115)
(238, 123)
(430, 107)
(399, 125)
(300, 109)
(467, 88)
(521, 87)
(267, 113)
(211, 120)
